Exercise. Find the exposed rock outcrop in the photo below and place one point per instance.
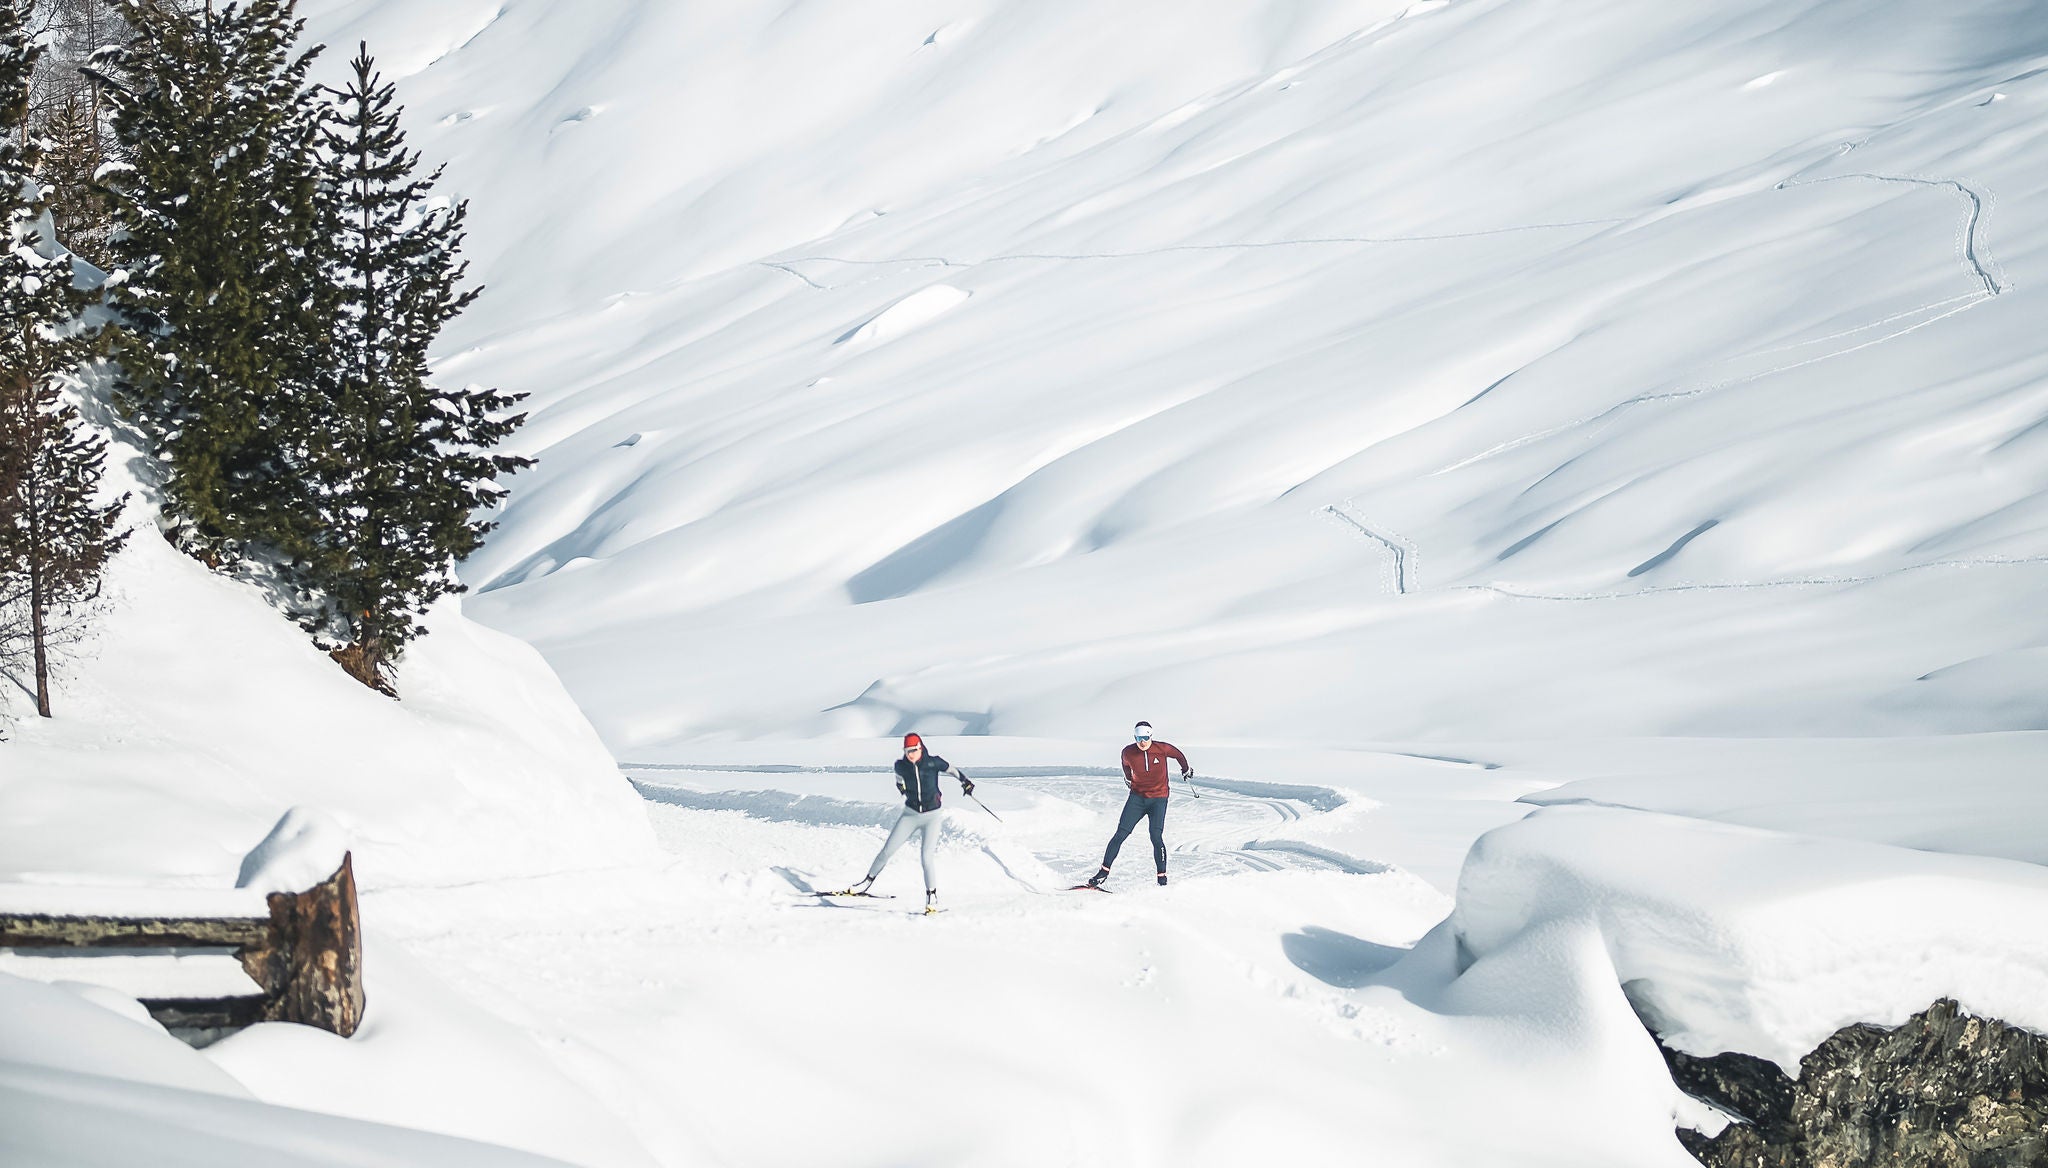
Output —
(1945, 1090)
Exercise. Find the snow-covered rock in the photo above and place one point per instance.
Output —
(1730, 938)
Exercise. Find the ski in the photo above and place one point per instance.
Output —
(1088, 888)
(851, 892)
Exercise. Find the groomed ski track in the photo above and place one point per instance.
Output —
(1221, 827)
(686, 992)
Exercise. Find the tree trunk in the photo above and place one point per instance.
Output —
(37, 631)
(317, 971)
(365, 661)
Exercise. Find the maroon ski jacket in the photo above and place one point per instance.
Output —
(1146, 770)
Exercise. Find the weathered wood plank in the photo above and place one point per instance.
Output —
(206, 1013)
(38, 931)
(307, 954)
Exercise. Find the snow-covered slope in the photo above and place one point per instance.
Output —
(1303, 373)
(1478, 369)
(195, 716)
(190, 722)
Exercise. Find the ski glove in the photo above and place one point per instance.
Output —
(966, 785)
(902, 788)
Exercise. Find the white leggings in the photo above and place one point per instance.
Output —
(920, 821)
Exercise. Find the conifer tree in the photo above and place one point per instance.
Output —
(71, 158)
(216, 242)
(55, 537)
(65, 111)
(410, 463)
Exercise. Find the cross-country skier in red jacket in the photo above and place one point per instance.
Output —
(1145, 773)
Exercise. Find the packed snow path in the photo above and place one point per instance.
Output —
(1229, 1018)
(1069, 815)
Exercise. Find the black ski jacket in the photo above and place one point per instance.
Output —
(919, 782)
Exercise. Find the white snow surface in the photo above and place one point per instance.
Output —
(1975, 794)
(82, 1086)
(305, 848)
(1264, 1007)
(1418, 411)
(1736, 938)
(205, 753)
(196, 718)
(1352, 369)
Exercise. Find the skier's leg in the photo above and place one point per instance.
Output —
(1134, 810)
(929, 848)
(1156, 812)
(904, 823)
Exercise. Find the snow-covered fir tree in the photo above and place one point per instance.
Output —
(410, 463)
(217, 233)
(56, 536)
(65, 111)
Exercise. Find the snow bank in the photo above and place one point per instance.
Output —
(197, 717)
(88, 1081)
(428, 1057)
(93, 1032)
(303, 849)
(1733, 938)
(1978, 794)
(93, 1121)
(203, 754)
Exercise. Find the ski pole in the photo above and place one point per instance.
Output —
(984, 807)
(1189, 779)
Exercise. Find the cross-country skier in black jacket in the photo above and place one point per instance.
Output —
(917, 776)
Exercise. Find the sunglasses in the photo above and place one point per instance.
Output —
(1144, 738)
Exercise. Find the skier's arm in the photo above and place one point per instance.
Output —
(947, 768)
(1130, 779)
(1174, 753)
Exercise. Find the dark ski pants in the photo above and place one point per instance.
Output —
(1135, 808)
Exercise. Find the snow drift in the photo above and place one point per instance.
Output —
(198, 716)
(1735, 938)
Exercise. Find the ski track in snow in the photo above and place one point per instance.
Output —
(1401, 570)
(1218, 830)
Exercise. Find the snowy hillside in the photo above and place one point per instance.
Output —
(1571, 474)
(189, 722)
(197, 716)
(1368, 371)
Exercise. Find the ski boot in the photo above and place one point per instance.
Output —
(860, 889)
(931, 902)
